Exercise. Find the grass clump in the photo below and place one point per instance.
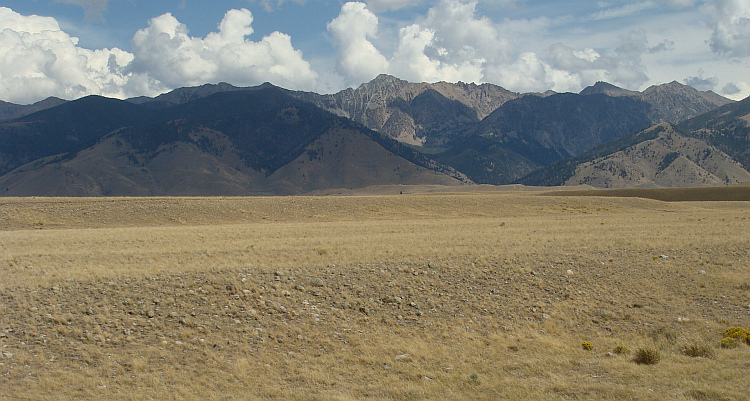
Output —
(621, 350)
(698, 349)
(647, 356)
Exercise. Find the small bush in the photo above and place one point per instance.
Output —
(735, 332)
(738, 334)
(322, 251)
(587, 346)
(474, 378)
(698, 349)
(729, 342)
(621, 350)
(647, 356)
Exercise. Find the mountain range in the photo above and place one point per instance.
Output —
(224, 140)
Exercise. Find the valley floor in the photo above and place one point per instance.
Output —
(485, 295)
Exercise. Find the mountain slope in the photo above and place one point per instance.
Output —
(672, 102)
(711, 149)
(67, 128)
(10, 111)
(421, 114)
(230, 143)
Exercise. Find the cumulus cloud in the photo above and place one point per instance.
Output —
(449, 43)
(358, 59)
(730, 24)
(452, 43)
(38, 59)
(165, 52)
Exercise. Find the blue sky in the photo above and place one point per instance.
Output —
(126, 48)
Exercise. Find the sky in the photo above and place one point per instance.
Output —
(127, 48)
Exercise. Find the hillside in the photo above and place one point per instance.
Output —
(421, 114)
(711, 149)
(233, 140)
(230, 143)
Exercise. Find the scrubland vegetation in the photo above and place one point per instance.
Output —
(491, 295)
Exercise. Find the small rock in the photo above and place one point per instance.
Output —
(431, 265)
(318, 282)
(701, 272)
(403, 358)
(569, 272)
(609, 354)
(545, 316)
(278, 273)
(150, 313)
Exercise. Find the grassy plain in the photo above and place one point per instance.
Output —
(484, 295)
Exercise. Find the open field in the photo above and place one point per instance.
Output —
(485, 295)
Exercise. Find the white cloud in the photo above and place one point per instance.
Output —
(38, 59)
(730, 23)
(358, 59)
(165, 52)
(450, 43)
(453, 43)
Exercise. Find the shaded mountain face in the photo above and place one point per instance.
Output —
(229, 143)
(10, 111)
(672, 102)
(711, 149)
(64, 129)
(531, 132)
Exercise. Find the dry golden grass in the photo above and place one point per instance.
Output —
(423, 296)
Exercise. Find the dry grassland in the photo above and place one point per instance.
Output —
(401, 297)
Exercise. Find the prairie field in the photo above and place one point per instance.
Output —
(418, 296)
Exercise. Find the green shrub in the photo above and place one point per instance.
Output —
(647, 356)
(587, 346)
